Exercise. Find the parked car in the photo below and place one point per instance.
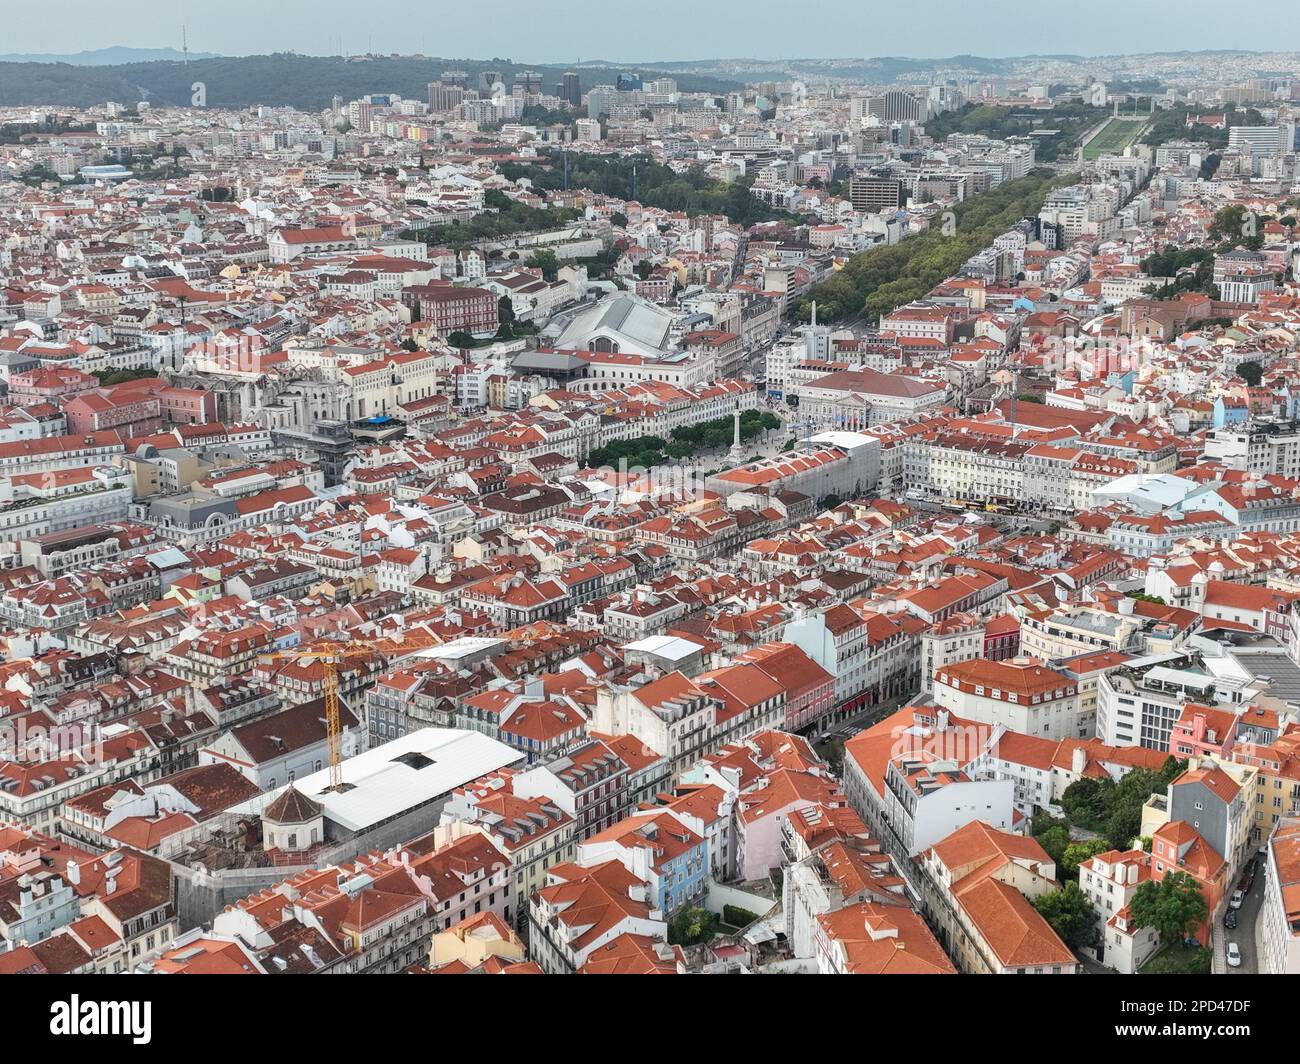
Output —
(1234, 955)
(1230, 919)
(1237, 898)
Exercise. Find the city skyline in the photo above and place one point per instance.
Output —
(491, 491)
(531, 33)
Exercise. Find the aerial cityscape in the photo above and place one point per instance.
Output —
(697, 516)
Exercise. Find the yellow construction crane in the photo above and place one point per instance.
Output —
(333, 652)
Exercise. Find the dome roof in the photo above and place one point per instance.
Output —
(292, 807)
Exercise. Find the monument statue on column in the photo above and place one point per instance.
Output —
(737, 452)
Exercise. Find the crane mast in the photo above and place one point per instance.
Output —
(333, 725)
(331, 655)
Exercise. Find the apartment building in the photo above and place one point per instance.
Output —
(1021, 694)
(1279, 915)
(1109, 880)
(656, 847)
(580, 910)
(1139, 702)
(535, 833)
(905, 777)
(977, 884)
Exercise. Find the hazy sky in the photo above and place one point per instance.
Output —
(560, 31)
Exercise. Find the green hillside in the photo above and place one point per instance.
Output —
(305, 82)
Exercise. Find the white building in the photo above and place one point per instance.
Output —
(1023, 695)
(1279, 915)
(905, 778)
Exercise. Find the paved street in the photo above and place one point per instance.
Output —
(1245, 934)
(821, 736)
(1089, 965)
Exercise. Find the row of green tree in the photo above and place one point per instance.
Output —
(283, 79)
(13, 132)
(646, 452)
(1070, 120)
(507, 218)
(654, 185)
(882, 278)
(536, 115)
(511, 327)
(720, 431)
(1171, 124)
(599, 265)
(1114, 810)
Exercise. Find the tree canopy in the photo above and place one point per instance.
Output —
(1175, 906)
(282, 79)
(884, 277)
(1171, 124)
(1055, 840)
(1251, 372)
(1076, 853)
(1072, 120)
(507, 218)
(1115, 809)
(650, 451)
(1070, 914)
(642, 179)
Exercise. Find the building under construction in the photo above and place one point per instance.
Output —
(388, 795)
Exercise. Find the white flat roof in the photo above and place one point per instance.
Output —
(167, 558)
(1162, 488)
(1179, 677)
(843, 439)
(399, 775)
(463, 647)
(665, 646)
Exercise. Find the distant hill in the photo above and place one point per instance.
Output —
(305, 82)
(109, 56)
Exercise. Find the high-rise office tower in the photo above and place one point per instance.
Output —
(571, 88)
(444, 97)
(600, 99)
(872, 194)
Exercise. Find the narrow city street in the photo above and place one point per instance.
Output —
(1245, 934)
(825, 736)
